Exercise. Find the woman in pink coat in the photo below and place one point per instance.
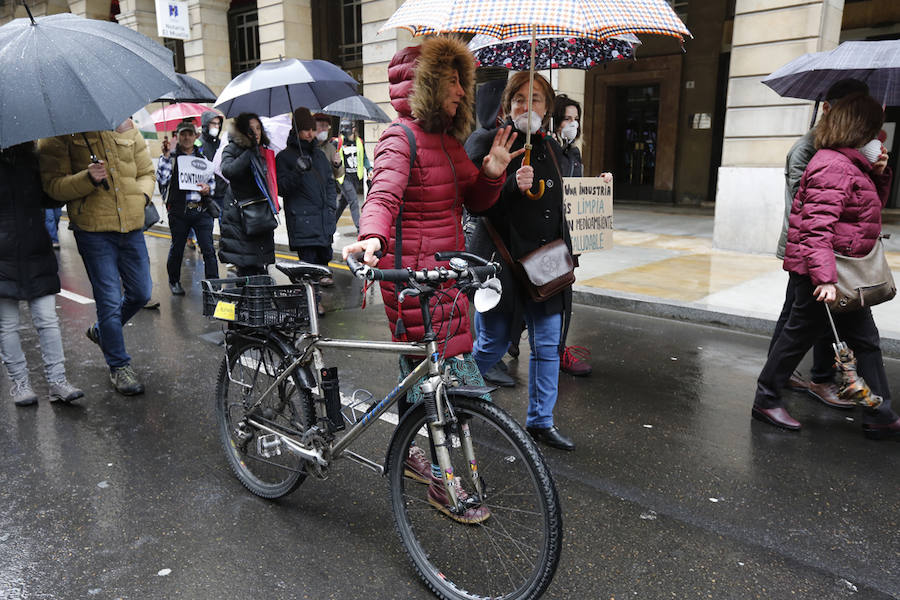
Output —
(836, 210)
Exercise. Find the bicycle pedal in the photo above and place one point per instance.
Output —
(268, 446)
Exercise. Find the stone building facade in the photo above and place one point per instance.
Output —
(683, 125)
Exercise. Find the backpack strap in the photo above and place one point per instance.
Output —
(398, 229)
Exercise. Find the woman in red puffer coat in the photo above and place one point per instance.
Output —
(432, 89)
(836, 210)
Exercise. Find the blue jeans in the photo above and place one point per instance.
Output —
(544, 333)
(180, 226)
(115, 261)
(51, 221)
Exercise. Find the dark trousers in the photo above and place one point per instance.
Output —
(804, 326)
(250, 271)
(180, 226)
(317, 255)
(823, 354)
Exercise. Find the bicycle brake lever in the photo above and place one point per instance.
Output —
(410, 291)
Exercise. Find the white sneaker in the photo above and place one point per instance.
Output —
(63, 391)
(22, 393)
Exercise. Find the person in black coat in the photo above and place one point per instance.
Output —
(306, 182)
(524, 225)
(28, 271)
(245, 168)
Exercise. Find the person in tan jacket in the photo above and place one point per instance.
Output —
(105, 203)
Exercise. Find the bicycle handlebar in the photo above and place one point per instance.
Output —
(458, 269)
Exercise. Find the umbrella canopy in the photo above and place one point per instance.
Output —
(189, 90)
(551, 53)
(504, 19)
(168, 117)
(64, 74)
(355, 108)
(875, 63)
(278, 87)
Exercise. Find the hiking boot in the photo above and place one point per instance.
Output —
(125, 381)
(573, 361)
(22, 394)
(417, 466)
(437, 497)
(63, 391)
(93, 334)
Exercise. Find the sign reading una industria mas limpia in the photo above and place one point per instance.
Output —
(589, 213)
(172, 19)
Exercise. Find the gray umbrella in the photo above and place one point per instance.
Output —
(875, 63)
(63, 74)
(355, 108)
(278, 87)
(189, 90)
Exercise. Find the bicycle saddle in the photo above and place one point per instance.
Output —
(297, 271)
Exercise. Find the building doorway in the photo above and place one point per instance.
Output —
(636, 141)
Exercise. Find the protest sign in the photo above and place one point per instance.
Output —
(589, 213)
(193, 171)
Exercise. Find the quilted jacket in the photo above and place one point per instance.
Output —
(837, 209)
(442, 181)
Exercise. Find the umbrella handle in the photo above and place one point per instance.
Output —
(526, 160)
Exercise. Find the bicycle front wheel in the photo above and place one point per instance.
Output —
(264, 465)
(507, 545)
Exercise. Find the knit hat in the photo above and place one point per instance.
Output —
(303, 119)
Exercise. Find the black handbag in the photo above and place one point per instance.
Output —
(151, 215)
(256, 217)
(864, 281)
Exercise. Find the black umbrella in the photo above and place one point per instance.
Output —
(357, 108)
(277, 87)
(189, 90)
(64, 74)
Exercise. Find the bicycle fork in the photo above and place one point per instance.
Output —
(437, 427)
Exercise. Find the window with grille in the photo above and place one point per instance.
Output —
(243, 32)
(177, 48)
(351, 33)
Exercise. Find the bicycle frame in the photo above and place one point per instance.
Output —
(428, 369)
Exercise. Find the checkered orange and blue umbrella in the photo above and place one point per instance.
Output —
(503, 19)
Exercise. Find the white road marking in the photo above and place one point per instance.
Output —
(75, 297)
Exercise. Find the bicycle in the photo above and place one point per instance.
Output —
(280, 419)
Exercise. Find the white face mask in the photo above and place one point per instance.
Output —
(522, 122)
(872, 150)
(322, 135)
(214, 132)
(569, 131)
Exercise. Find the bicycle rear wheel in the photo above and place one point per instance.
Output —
(511, 554)
(260, 462)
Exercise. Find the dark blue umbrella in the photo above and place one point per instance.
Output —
(64, 74)
(189, 90)
(277, 87)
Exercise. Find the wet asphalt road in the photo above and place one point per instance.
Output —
(673, 492)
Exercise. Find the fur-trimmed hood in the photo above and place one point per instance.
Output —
(417, 75)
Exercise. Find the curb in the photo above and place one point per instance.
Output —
(667, 309)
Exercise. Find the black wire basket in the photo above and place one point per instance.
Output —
(256, 301)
